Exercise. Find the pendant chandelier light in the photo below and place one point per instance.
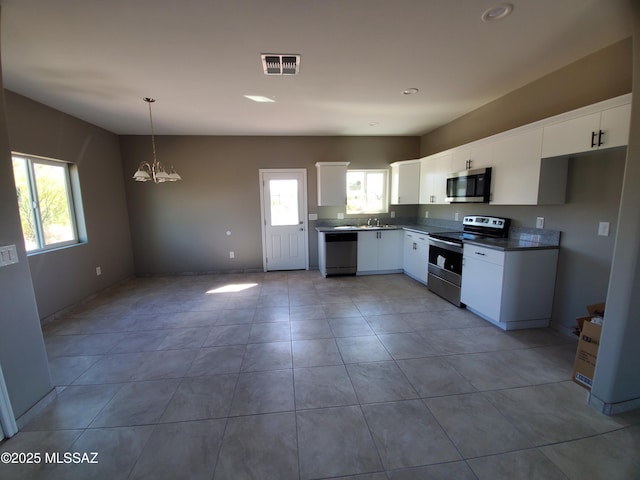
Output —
(154, 171)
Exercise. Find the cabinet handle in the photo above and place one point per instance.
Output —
(593, 139)
(480, 253)
(600, 133)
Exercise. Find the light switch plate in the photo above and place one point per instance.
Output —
(340, 216)
(603, 229)
(313, 216)
(8, 255)
(540, 222)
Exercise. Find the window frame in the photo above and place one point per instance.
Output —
(71, 196)
(385, 194)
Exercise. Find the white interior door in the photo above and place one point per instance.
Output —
(284, 219)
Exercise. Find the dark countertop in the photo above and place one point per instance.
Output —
(526, 242)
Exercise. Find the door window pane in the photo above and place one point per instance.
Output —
(284, 202)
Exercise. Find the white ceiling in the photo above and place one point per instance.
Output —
(96, 59)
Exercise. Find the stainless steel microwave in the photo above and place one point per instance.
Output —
(470, 186)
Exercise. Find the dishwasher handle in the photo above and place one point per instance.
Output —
(341, 237)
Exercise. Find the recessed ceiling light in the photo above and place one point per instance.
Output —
(410, 91)
(259, 98)
(374, 124)
(497, 13)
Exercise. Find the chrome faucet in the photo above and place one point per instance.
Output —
(377, 220)
(369, 222)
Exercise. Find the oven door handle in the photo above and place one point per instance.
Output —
(437, 240)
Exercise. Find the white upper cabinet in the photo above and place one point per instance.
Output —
(470, 157)
(405, 182)
(521, 177)
(604, 129)
(332, 183)
(434, 170)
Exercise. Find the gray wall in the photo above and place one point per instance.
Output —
(596, 77)
(181, 227)
(616, 382)
(22, 353)
(65, 276)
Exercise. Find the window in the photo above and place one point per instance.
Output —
(45, 201)
(367, 191)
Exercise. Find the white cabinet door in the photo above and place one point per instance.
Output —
(434, 170)
(367, 251)
(380, 251)
(332, 183)
(615, 125)
(571, 136)
(515, 175)
(472, 156)
(390, 250)
(405, 183)
(416, 256)
(482, 280)
(606, 129)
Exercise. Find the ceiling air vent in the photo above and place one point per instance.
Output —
(275, 64)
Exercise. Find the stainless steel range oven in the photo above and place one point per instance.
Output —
(445, 253)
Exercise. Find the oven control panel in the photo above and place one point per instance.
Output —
(493, 222)
(492, 226)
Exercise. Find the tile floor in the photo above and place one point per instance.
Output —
(293, 376)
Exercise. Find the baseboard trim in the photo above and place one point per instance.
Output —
(613, 408)
(30, 414)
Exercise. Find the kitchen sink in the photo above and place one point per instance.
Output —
(365, 227)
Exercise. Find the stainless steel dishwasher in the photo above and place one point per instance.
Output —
(341, 253)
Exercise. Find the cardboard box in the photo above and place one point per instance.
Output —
(587, 354)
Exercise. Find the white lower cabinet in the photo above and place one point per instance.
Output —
(380, 251)
(511, 289)
(416, 255)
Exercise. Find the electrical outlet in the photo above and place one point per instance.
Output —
(540, 222)
(456, 216)
(426, 214)
(232, 255)
(98, 271)
(393, 214)
(603, 229)
(340, 216)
